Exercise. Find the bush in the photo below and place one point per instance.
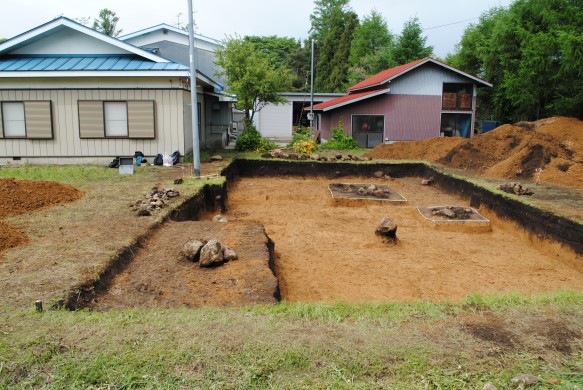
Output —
(251, 139)
(340, 141)
(302, 142)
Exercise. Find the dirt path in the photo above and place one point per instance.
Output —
(327, 252)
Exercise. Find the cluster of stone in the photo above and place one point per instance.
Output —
(514, 188)
(155, 199)
(454, 212)
(375, 191)
(208, 253)
(278, 153)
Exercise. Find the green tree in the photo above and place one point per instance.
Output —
(533, 54)
(284, 52)
(476, 46)
(372, 48)
(411, 45)
(107, 23)
(334, 31)
(250, 77)
(320, 17)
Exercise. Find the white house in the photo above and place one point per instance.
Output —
(278, 122)
(71, 94)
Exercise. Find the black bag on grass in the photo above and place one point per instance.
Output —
(175, 157)
(158, 160)
(114, 163)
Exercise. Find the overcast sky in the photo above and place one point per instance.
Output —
(220, 18)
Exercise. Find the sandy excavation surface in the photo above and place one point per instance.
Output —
(328, 252)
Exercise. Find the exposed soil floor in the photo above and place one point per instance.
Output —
(21, 196)
(159, 276)
(328, 252)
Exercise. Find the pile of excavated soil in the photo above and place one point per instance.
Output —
(554, 145)
(21, 196)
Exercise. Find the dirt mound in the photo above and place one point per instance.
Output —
(21, 196)
(554, 145)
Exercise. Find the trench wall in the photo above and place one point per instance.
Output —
(210, 198)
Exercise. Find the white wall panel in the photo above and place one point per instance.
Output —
(66, 143)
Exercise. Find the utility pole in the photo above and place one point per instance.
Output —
(312, 92)
(193, 102)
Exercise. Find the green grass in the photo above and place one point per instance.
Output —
(71, 174)
(289, 345)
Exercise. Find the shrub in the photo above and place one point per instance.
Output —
(251, 139)
(302, 142)
(340, 141)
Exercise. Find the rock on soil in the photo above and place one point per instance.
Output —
(387, 229)
(191, 250)
(510, 151)
(211, 254)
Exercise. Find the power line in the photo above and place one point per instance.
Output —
(450, 24)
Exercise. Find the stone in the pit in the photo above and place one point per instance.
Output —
(143, 212)
(211, 254)
(427, 182)
(220, 218)
(191, 250)
(380, 193)
(378, 174)
(446, 212)
(229, 254)
(387, 229)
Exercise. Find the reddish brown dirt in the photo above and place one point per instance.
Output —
(159, 276)
(508, 152)
(21, 196)
(329, 252)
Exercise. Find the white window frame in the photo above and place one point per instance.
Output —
(13, 120)
(116, 119)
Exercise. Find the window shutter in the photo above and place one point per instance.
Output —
(1, 125)
(141, 119)
(39, 123)
(91, 119)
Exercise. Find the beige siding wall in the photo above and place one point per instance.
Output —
(67, 143)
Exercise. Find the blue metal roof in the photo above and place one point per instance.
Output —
(84, 63)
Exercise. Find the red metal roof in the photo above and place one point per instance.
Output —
(386, 75)
(347, 99)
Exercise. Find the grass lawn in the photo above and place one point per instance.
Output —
(421, 345)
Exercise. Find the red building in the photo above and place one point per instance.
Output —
(419, 100)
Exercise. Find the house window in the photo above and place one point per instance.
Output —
(28, 119)
(456, 125)
(13, 119)
(368, 130)
(457, 96)
(116, 119)
(119, 119)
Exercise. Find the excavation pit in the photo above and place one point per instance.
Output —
(455, 218)
(331, 254)
(349, 193)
